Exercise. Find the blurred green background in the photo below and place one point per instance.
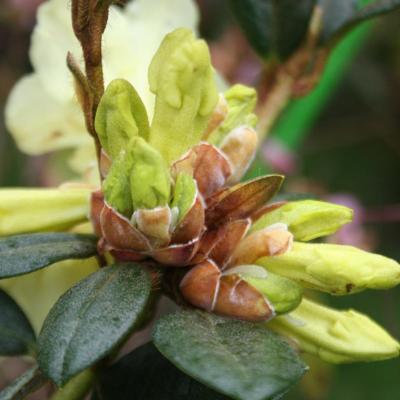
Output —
(341, 142)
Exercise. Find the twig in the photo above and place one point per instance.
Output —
(77, 388)
(89, 20)
(293, 78)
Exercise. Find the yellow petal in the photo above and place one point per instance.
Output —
(37, 292)
(35, 210)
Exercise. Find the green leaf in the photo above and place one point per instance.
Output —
(16, 333)
(91, 318)
(274, 26)
(335, 14)
(240, 359)
(342, 16)
(144, 374)
(30, 381)
(376, 8)
(27, 253)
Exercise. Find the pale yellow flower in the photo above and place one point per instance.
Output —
(42, 112)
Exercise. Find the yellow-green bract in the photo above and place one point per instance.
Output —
(120, 116)
(185, 192)
(116, 187)
(150, 180)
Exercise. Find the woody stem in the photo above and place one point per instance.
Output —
(89, 20)
(276, 101)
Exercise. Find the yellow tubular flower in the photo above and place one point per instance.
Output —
(307, 219)
(336, 269)
(37, 210)
(336, 336)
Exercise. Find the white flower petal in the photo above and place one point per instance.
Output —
(42, 112)
(52, 38)
(41, 123)
(84, 162)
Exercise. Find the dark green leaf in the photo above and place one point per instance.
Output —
(27, 253)
(340, 16)
(144, 374)
(90, 319)
(28, 382)
(16, 333)
(274, 26)
(335, 14)
(240, 359)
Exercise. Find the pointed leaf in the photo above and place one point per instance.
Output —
(335, 13)
(91, 318)
(144, 374)
(351, 16)
(376, 8)
(242, 360)
(23, 254)
(30, 381)
(16, 333)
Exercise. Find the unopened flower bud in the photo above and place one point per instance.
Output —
(150, 181)
(182, 78)
(155, 224)
(116, 186)
(217, 117)
(307, 219)
(241, 102)
(335, 269)
(336, 336)
(240, 146)
(206, 287)
(283, 294)
(207, 165)
(120, 116)
(270, 241)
